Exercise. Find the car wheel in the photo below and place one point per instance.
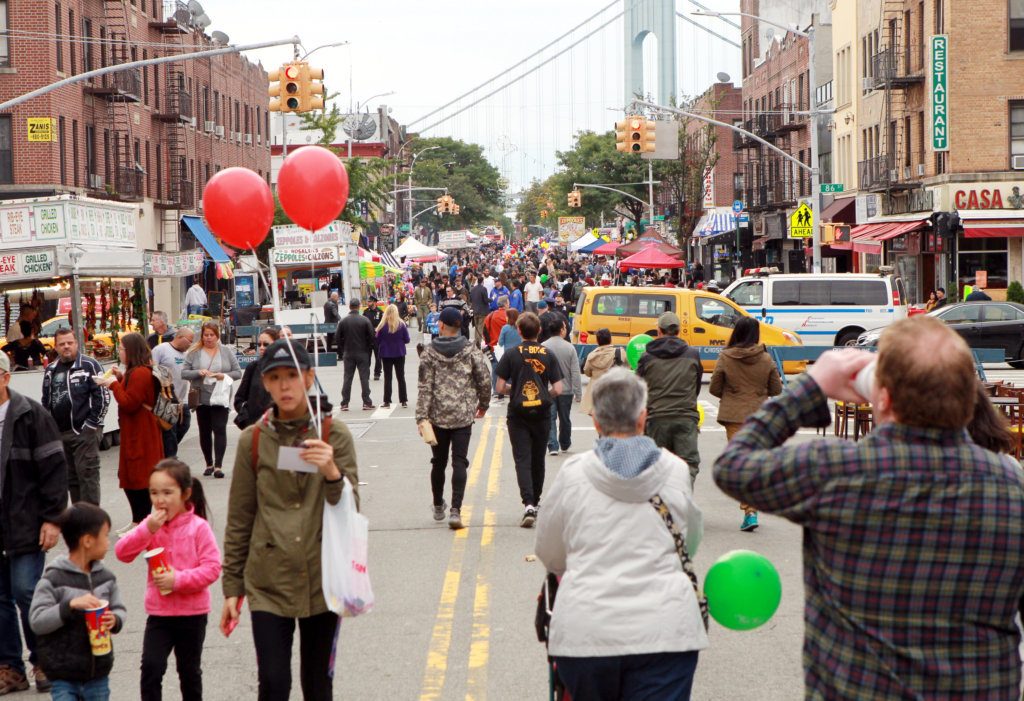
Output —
(848, 338)
(1018, 364)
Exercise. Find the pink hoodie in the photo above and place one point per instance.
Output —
(192, 549)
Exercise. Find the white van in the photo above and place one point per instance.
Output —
(827, 309)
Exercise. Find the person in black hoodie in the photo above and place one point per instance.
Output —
(672, 371)
(480, 301)
(252, 399)
(374, 314)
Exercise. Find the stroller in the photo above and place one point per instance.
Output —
(542, 622)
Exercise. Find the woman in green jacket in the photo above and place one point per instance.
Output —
(273, 534)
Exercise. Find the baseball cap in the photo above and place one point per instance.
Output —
(5, 362)
(277, 355)
(543, 304)
(450, 316)
(667, 321)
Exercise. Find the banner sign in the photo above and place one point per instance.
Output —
(291, 236)
(571, 228)
(172, 264)
(27, 265)
(42, 129)
(940, 98)
(709, 188)
(311, 256)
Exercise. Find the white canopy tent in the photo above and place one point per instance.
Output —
(583, 241)
(411, 248)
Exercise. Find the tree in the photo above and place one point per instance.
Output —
(683, 178)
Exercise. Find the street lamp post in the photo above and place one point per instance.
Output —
(409, 197)
(812, 75)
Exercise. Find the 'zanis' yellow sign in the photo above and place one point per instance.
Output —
(42, 129)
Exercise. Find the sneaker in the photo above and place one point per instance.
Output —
(439, 510)
(749, 522)
(12, 680)
(553, 452)
(455, 520)
(42, 683)
(529, 517)
(207, 472)
(344, 407)
(367, 407)
(385, 405)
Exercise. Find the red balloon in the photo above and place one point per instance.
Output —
(239, 207)
(312, 186)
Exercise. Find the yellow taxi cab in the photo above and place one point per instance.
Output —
(50, 326)
(706, 318)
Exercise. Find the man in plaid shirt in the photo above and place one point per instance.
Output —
(913, 546)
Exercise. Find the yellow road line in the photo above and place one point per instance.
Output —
(441, 639)
(480, 645)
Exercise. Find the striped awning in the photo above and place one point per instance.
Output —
(718, 223)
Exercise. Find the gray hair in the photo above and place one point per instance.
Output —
(619, 398)
(159, 316)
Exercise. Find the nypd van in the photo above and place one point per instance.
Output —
(826, 309)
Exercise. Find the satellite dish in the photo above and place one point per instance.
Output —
(769, 34)
(182, 17)
(220, 37)
(195, 8)
(723, 77)
(202, 21)
(359, 126)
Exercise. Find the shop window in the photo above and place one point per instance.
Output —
(1016, 127)
(1016, 25)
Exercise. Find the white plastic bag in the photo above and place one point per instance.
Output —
(343, 557)
(221, 394)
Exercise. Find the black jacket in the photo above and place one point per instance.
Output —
(374, 314)
(355, 335)
(89, 401)
(33, 474)
(672, 371)
(331, 312)
(480, 300)
(251, 397)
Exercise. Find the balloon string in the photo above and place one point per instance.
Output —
(259, 271)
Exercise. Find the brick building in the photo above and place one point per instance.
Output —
(152, 136)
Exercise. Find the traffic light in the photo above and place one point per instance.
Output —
(635, 134)
(650, 128)
(284, 88)
(575, 199)
(620, 135)
(455, 209)
(543, 214)
(311, 88)
(442, 204)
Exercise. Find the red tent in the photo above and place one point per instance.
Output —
(650, 258)
(606, 250)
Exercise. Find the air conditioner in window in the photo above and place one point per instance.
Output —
(867, 84)
(906, 172)
(210, 126)
(921, 170)
(248, 138)
(1017, 162)
(218, 131)
(893, 175)
(95, 181)
(192, 122)
(259, 138)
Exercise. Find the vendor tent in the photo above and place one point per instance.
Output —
(650, 258)
(411, 248)
(606, 249)
(592, 246)
(634, 247)
(584, 241)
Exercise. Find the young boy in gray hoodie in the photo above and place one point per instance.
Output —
(71, 585)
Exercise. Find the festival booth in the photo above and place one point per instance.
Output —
(414, 249)
(650, 258)
(588, 239)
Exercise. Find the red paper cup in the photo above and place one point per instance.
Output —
(98, 638)
(157, 560)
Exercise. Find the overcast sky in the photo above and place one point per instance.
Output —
(431, 52)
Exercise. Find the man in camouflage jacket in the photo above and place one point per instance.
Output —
(454, 388)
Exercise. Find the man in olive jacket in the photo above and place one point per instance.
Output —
(672, 371)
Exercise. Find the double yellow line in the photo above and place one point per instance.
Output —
(440, 641)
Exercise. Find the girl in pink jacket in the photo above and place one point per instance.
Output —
(178, 595)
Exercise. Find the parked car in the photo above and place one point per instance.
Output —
(982, 324)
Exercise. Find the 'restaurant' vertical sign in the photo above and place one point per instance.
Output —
(940, 97)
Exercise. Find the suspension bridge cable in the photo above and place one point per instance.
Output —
(517, 65)
(520, 77)
(724, 19)
(695, 23)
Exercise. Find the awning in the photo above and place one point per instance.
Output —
(205, 239)
(718, 223)
(993, 228)
(841, 211)
(898, 229)
(759, 243)
(719, 239)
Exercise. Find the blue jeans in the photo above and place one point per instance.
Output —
(195, 309)
(94, 690)
(561, 423)
(663, 676)
(18, 577)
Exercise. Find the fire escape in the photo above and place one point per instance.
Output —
(896, 67)
(768, 181)
(175, 113)
(119, 90)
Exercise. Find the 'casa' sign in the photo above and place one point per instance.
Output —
(988, 198)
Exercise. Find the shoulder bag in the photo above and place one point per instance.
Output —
(684, 556)
(194, 392)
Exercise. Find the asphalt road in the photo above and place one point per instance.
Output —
(454, 610)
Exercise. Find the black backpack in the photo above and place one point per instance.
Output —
(530, 397)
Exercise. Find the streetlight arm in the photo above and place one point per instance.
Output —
(757, 17)
(612, 189)
(413, 189)
(662, 108)
(325, 46)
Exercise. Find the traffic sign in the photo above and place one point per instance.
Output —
(403, 227)
(737, 206)
(831, 187)
(659, 217)
(801, 224)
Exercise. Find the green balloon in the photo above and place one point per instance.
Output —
(635, 348)
(743, 590)
(544, 277)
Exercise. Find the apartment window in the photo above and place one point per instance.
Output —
(60, 42)
(145, 79)
(920, 138)
(90, 153)
(148, 166)
(156, 88)
(940, 162)
(5, 47)
(207, 169)
(61, 153)
(906, 141)
(71, 41)
(1016, 25)
(74, 150)
(1017, 128)
(6, 150)
(87, 45)
(259, 122)
(216, 105)
(206, 104)
(137, 153)
(159, 173)
(103, 47)
(106, 155)
(940, 20)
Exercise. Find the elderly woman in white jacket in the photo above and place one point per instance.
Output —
(626, 621)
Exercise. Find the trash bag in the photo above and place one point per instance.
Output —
(343, 556)
(221, 394)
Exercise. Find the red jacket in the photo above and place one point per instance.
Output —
(493, 323)
(142, 444)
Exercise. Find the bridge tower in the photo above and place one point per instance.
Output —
(656, 17)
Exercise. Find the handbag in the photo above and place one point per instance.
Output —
(684, 556)
(195, 393)
(343, 555)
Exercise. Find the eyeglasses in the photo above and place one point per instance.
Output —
(262, 345)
